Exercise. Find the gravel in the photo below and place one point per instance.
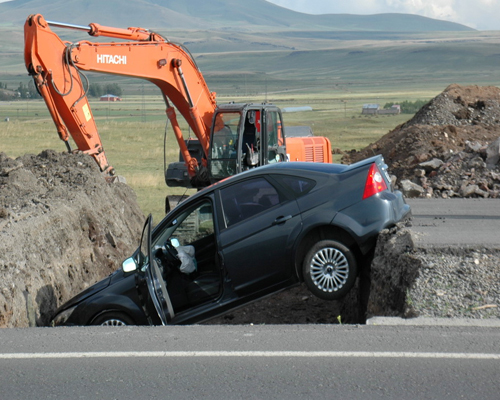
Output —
(457, 286)
(412, 282)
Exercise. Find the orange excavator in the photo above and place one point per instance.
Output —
(230, 138)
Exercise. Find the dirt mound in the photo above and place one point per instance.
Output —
(461, 106)
(447, 149)
(62, 228)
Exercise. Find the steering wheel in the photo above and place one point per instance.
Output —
(171, 254)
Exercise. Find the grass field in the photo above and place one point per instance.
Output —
(132, 132)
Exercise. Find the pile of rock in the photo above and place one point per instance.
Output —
(473, 172)
(450, 148)
(461, 106)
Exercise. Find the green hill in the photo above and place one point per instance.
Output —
(214, 14)
(261, 47)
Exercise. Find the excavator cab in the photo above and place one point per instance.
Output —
(245, 136)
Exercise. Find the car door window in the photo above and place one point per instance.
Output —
(194, 225)
(247, 199)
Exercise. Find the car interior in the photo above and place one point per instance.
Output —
(194, 286)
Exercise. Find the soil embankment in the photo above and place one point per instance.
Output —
(62, 228)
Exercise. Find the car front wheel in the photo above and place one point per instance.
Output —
(329, 270)
(113, 319)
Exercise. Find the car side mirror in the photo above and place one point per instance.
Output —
(129, 265)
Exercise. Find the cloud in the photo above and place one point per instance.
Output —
(479, 14)
(440, 9)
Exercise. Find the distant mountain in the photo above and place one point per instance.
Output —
(240, 15)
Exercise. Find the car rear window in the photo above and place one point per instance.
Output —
(298, 185)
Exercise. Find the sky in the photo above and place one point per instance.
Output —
(477, 14)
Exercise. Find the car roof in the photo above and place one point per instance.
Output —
(300, 168)
(296, 168)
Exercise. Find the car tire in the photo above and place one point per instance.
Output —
(329, 270)
(113, 319)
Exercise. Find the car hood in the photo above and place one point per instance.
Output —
(87, 292)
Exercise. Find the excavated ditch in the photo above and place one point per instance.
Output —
(63, 227)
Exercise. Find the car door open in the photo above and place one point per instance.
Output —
(149, 274)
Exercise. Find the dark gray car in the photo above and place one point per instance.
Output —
(245, 237)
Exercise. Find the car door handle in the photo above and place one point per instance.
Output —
(281, 220)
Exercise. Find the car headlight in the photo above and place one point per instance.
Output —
(62, 317)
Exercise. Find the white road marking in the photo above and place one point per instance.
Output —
(296, 354)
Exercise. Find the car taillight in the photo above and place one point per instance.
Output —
(374, 182)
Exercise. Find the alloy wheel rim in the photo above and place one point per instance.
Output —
(329, 269)
(113, 322)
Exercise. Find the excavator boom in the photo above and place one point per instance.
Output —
(57, 66)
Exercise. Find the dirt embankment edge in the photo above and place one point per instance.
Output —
(408, 282)
(62, 228)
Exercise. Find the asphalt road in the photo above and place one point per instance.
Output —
(456, 222)
(250, 362)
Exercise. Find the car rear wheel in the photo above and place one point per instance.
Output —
(329, 270)
(113, 319)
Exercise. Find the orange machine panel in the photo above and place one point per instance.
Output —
(310, 149)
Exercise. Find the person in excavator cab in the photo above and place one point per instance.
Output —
(250, 142)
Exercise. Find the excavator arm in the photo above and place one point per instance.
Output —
(56, 67)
